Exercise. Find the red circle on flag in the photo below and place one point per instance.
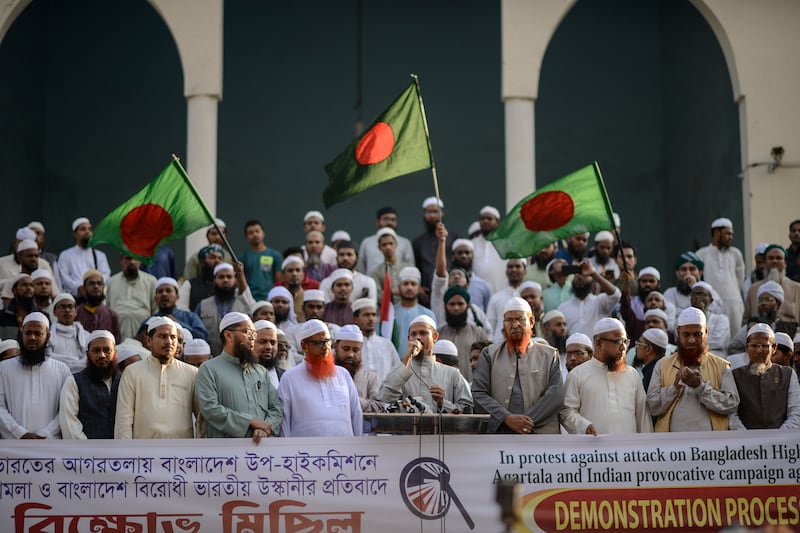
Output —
(376, 145)
(547, 211)
(144, 227)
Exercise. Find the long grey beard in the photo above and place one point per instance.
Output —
(773, 274)
(758, 369)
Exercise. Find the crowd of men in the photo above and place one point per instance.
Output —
(297, 343)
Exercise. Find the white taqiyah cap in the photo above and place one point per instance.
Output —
(8, 344)
(475, 227)
(550, 315)
(424, 319)
(703, 285)
(761, 328)
(361, 303)
(350, 332)
(617, 221)
(41, 273)
(385, 231)
(187, 334)
(313, 214)
(445, 347)
(35, 224)
(340, 273)
(340, 235)
(722, 223)
(61, 297)
(196, 347)
(516, 304)
(770, 287)
(312, 327)
(458, 243)
(489, 210)
(158, 321)
(27, 244)
(580, 338)
(650, 271)
(166, 281)
(606, 324)
(529, 285)
(78, 221)
(100, 334)
(292, 260)
(783, 339)
(312, 295)
(604, 236)
(264, 324)
(36, 316)
(280, 292)
(258, 305)
(233, 318)
(657, 337)
(691, 316)
(24, 234)
(660, 313)
(431, 200)
(761, 248)
(223, 266)
(409, 273)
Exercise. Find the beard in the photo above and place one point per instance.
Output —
(244, 354)
(32, 358)
(559, 342)
(281, 316)
(350, 364)
(25, 302)
(206, 272)
(456, 321)
(95, 299)
(683, 287)
(430, 227)
(520, 344)
(132, 272)
(84, 242)
(768, 317)
(758, 369)
(321, 367)
(582, 292)
(644, 292)
(267, 361)
(101, 373)
(541, 260)
(613, 361)
(225, 293)
(774, 274)
(314, 259)
(691, 356)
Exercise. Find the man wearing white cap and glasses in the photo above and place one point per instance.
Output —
(650, 348)
(156, 395)
(439, 387)
(347, 353)
(692, 389)
(231, 293)
(68, 339)
(89, 397)
(580, 349)
(775, 257)
(604, 395)
(770, 299)
(518, 382)
(724, 270)
(74, 262)
(769, 394)
(319, 398)
(235, 396)
(30, 386)
(486, 262)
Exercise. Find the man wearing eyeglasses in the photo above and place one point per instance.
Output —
(319, 398)
(692, 389)
(579, 350)
(604, 395)
(769, 394)
(235, 395)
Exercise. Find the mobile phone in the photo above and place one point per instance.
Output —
(571, 269)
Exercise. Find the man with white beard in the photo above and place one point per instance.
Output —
(769, 395)
(775, 266)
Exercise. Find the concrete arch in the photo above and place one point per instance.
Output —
(724, 42)
(9, 11)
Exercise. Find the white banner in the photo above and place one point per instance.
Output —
(656, 482)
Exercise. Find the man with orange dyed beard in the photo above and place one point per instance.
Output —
(692, 389)
(319, 398)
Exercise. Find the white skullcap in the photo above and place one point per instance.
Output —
(703, 285)
(280, 292)
(340, 273)
(529, 285)
(187, 334)
(409, 273)
(517, 304)
(196, 347)
(540, 340)
(100, 334)
(424, 319)
(385, 231)
(222, 266)
(761, 328)
(8, 344)
(722, 223)
(312, 327)
(41, 273)
(313, 214)
(233, 318)
(431, 200)
(350, 332)
(281, 332)
(580, 338)
(770, 287)
(617, 221)
(25, 234)
(550, 315)
(604, 236)
(27, 244)
(78, 221)
(657, 337)
(458, 243)
(220, 223)
(489, 210)
(258, 305)
(660, 313)
(35, 224)
(61, 297)
(606, 324)
(166, 281)
(783, 339)
(312, 295)
(126, 352)
(340, 235)
(475, 227)
(691, 316)
(158, 321)
(652, 271)
(36, 316)
(522, 259)
(445, 347)
(761, 248)
(264, 324)
(361, 303)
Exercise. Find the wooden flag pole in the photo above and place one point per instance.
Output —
(428, 139)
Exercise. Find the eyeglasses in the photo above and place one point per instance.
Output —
(621, 343)
(66, 307)
(248, 332)
(755, 346)
(515, 320)
(320, 343)
(576, 353)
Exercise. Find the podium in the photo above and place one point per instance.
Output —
(425, 423)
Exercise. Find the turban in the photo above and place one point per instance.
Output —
(456, 289)
(205, 250)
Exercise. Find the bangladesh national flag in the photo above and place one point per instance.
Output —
(574, 204)
(168, 208)
(395, 144)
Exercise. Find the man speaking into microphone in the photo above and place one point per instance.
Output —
(438, 387)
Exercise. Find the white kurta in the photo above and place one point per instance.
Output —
(363, 287)
(487, 264)
(74, 262)
(614, 402)
(379, 355)
(370, 256)
(29, 398)
(156, 401)
(132, 300)
(724, 270)
(582, 315)
(316, 408)
(68, 344)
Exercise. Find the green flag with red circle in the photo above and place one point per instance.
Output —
(394, 145)
(168, 208)
(576, 203)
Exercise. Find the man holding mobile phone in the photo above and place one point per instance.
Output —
(585, 308)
